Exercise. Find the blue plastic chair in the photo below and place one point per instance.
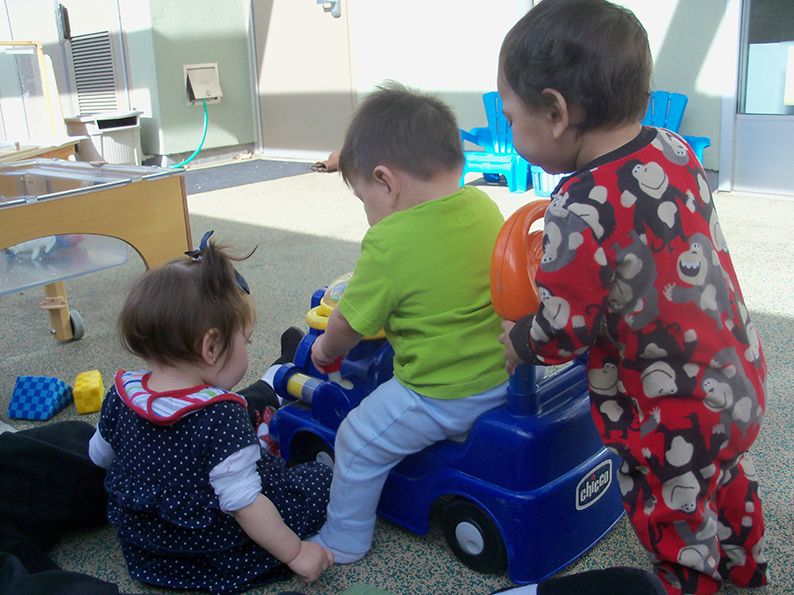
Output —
(498, 155)
(666, 110)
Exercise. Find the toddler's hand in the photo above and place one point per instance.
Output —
(511, 357)
(319, 358)
(311, 561)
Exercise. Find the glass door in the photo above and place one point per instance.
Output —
(764, 150)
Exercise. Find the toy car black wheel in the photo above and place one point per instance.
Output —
(78, 326)
(473, 536)
(308, 447)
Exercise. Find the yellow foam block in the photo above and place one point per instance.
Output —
(88, 392)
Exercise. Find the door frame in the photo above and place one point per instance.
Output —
(765, 173)
(344, 106)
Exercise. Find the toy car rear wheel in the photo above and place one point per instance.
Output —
(310, 448)
(473, 536)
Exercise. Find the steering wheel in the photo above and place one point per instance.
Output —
(516, 258)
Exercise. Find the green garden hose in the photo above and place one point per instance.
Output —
(201, 144)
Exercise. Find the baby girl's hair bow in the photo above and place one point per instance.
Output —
(197, 254)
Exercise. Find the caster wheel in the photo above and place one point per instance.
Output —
(473, 537)
(78, 327)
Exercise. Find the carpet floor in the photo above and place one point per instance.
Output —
(307, 227)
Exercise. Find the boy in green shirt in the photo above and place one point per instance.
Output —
(424, 277)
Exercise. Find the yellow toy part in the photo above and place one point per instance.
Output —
(88, 392)
(515, 261)
(317, 317)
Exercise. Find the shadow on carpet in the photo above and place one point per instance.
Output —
(230, 175)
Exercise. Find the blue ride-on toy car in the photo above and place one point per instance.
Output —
(530, 487)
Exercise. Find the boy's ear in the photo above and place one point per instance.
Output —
(388, 181)
(559, 111)
(210, 347)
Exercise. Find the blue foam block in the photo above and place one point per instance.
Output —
(38, 397)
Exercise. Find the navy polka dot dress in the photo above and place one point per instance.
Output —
(171, 528)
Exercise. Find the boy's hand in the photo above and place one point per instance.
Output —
(312, 560)
(339, 338)
(319, 359)
(511, 357)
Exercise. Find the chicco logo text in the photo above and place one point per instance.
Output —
(593, 485)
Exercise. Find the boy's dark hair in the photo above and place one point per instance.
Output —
(401, 128)
(594, 53)
(170, 308)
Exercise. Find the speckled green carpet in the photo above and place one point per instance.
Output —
(307, 229)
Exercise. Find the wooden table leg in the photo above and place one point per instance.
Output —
(55, 303)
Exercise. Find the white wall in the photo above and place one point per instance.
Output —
(452, 49)
(448, 48)
(144, 96)
(196, 32)
(694, 54)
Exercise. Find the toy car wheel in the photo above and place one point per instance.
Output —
(310, 448)
(473, 536)
(78, 327)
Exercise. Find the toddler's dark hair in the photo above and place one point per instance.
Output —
(170, 308)
(593, 52)
(402, 128)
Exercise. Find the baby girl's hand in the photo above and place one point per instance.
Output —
(311, 561)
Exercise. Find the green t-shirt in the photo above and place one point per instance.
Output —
(424, 277)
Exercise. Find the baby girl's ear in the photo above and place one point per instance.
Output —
(210, 347)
